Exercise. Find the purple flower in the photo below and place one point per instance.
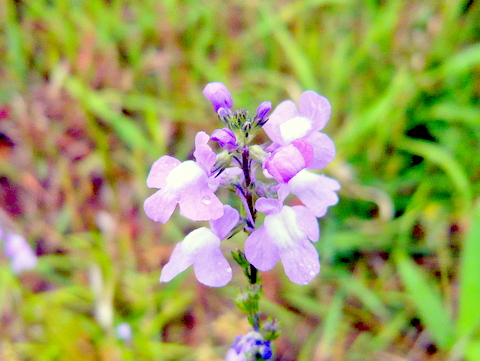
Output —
(218, 95)
(19, 251)
(189, 184)
(286, 161)
(286, 124)
(286, 234)
(201, 248)
(317, 192)
(225, 138)
(251, 345)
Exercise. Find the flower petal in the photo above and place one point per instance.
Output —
(158, 174)
(323, 148)
(201, 248)
(260, 250)
(223, 225)
(283, 228)
(160, 206)
(268, 205)
(284, 111)
(307, 221)
(300, 262)
(179, 262)
(212, 268)
(316, 108)
(317, 192)
(199, 203)
(204, 155)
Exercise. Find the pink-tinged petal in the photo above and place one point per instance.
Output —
(300, 262)
(317, 192)
(204, 155)
(160, 206)
(160, 171)
(218, 95)
(179, 262)
(199, 203)
(260, 250)
(283, 112)
(268, 205)
(285, 162)
(223, 225)
(305, 149)
(316, 108)
(307, 221)
(212, 268)
(323, 148)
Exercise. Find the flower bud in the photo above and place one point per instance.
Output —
(263, 109)
(285, 162)
(257, 153)
(225, 138)
(218, 95)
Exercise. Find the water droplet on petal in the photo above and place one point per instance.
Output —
(311, 273)
(206, 200)
(229, 270)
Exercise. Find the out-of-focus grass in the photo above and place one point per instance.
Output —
(93, 92)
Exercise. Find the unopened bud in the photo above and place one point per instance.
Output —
(263, 109)
(257, 153)
(218, 95)
(225, 138)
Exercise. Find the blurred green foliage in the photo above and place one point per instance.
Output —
(94, 91)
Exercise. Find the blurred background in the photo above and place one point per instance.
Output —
(93, 92)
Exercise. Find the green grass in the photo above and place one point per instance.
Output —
(94, 91)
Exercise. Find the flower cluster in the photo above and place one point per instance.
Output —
(251, 346)
(262, 176)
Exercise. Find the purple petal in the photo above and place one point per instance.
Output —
(300, 262)
(218, 95)
(284, 111)
(160, 170)
(268, 205)
(307, 221)
(160, 206)
(317, 192)
(260, 250)
(199, 203)
(203, 153)
(223, 225)
(316, 108)
(323, 148)
(212, 268)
